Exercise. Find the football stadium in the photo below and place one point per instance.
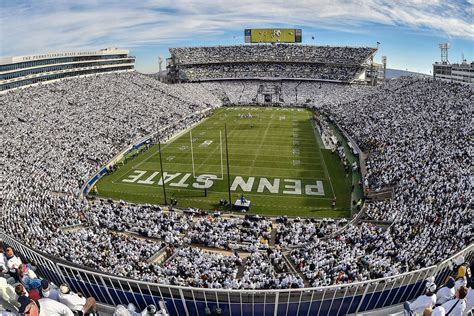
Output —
(266, 148)
(271, 177)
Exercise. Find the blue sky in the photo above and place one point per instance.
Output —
(409, 30)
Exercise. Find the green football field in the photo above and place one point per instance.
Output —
(276, 161)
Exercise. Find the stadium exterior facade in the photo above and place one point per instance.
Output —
(22, 71)
(455, 73)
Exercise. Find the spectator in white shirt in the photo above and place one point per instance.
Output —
(456, 306)
(3, 261)
(428, 300)
(469, 301)
(49, 307)
(13, 263)
(445, 293)
(469, 311)
(438, 311)
(76, 302)
(7, 292)
(48, 291)
(121, 310)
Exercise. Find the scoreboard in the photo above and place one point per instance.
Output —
(273, 36)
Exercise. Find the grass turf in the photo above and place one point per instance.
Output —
(274, 143)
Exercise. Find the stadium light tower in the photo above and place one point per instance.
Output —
(160, 66)
(384, 64)
(372, 80)
(444, 52)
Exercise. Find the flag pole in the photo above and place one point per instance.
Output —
(161, 167)
(228, 168)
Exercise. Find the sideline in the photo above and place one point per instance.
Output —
(323, 162)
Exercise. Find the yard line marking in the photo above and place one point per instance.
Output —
(240, 157)
(175, 137)
(208, 157)
(261, 143)
(290, 158)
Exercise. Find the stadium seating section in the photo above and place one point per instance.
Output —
(414, 131)
(327, 63)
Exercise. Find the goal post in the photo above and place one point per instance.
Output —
(222, 160)
(192, 152)
(221, 154)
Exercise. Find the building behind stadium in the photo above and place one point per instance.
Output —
(22, 71)
(443, 70)
(457, 73)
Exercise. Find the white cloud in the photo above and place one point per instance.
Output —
(51, 25)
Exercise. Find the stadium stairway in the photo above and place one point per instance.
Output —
(293, 269)
(241, 269)
(273, 235)
(383, 194)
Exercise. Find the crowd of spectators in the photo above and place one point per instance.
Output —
(454, 297)
(22, 292)
(231, 233)
(195, 267)
(298, 232)
(291, 93)
(330, 72)
(271, 53)
(268, 61)
(145, 220)
(268, 270)
(414, 132)
(56, 136)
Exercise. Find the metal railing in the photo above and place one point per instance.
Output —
(330, 300)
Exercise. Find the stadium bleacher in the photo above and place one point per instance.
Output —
(324, 63)
(414, 131)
